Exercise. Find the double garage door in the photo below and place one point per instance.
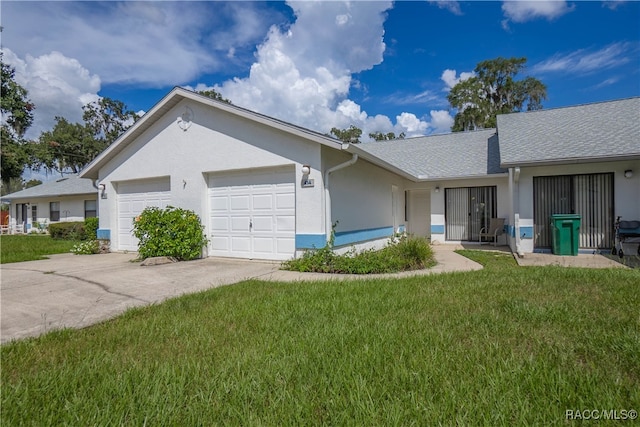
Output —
(252, 215)
(133, 197)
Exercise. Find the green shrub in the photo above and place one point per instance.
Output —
(173, 232)
(91, 228)
(87, 247)
(401, 254)
(67, 230)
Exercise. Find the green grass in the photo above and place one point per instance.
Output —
(18, 248)
(502, 346)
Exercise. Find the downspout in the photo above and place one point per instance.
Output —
(516, 203)
(327, 196)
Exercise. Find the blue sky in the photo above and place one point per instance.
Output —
(383, 66)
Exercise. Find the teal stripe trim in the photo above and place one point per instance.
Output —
(356, 236)
(310, 241)
(437, 229)
(526, 232)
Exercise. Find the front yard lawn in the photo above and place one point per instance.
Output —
(18, 248)
(506, 345)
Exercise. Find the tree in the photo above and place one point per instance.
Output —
(17, 116)
(379, 136)
(213, 94)
(492, 91)
(68, 147)
(108, 119)
(71, 146)
(349, 136)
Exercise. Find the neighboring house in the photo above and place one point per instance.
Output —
(267, 189)
(70, 198)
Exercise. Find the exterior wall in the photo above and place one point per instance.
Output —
(215, 141)
(71, 209)
(361, 202)
(438, 202)
(626, 195)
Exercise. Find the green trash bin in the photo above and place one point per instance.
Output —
(565, 234)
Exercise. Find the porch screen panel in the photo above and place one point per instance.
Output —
(589, 195)
(457, 214)
(594, 202)
(468, 209)
(551, 195)
(482, 201)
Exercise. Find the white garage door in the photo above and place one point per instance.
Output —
(253, 215)
(133, 197)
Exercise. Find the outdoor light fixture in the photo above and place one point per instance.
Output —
(103, 191)
(306, 170)
(628, 173)
(437, 189)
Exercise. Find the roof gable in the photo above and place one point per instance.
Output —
(172, 99)
(582, 133)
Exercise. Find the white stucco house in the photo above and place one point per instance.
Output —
(267, 189)
(69, 198)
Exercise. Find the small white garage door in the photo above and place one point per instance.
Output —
(133, 197)
(253, 215)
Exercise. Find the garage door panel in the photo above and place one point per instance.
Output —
(263, 224)
(262, 202)
(240, 203)
(266, 201)
(240, 224)
(219, 224)
(241, 244)
(133, 198)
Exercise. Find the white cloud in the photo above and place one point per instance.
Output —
(310, 86)
(450, 77)
(529, 10)
(451, 6)
(149, 43)
(586, 61)
(56, 84)
(441, 121)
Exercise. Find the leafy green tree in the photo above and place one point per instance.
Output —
(17, 116)
(492, 91)
(32, 183)
(69, 146)
(213, 94)
(108, 119)
(350, 136)
(379, 136)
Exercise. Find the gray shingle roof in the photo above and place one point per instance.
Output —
(447, 156)
(68, 186)
(600, 131)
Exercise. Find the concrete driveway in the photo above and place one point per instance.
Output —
(76, 291)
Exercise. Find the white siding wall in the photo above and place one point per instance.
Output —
(626, 192)
(71, 209)
(216, 141)
(361, 197)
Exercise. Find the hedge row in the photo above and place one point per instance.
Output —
(76, 230)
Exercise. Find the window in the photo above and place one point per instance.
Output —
(34, 214)
(54, 211)
(90, 208)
